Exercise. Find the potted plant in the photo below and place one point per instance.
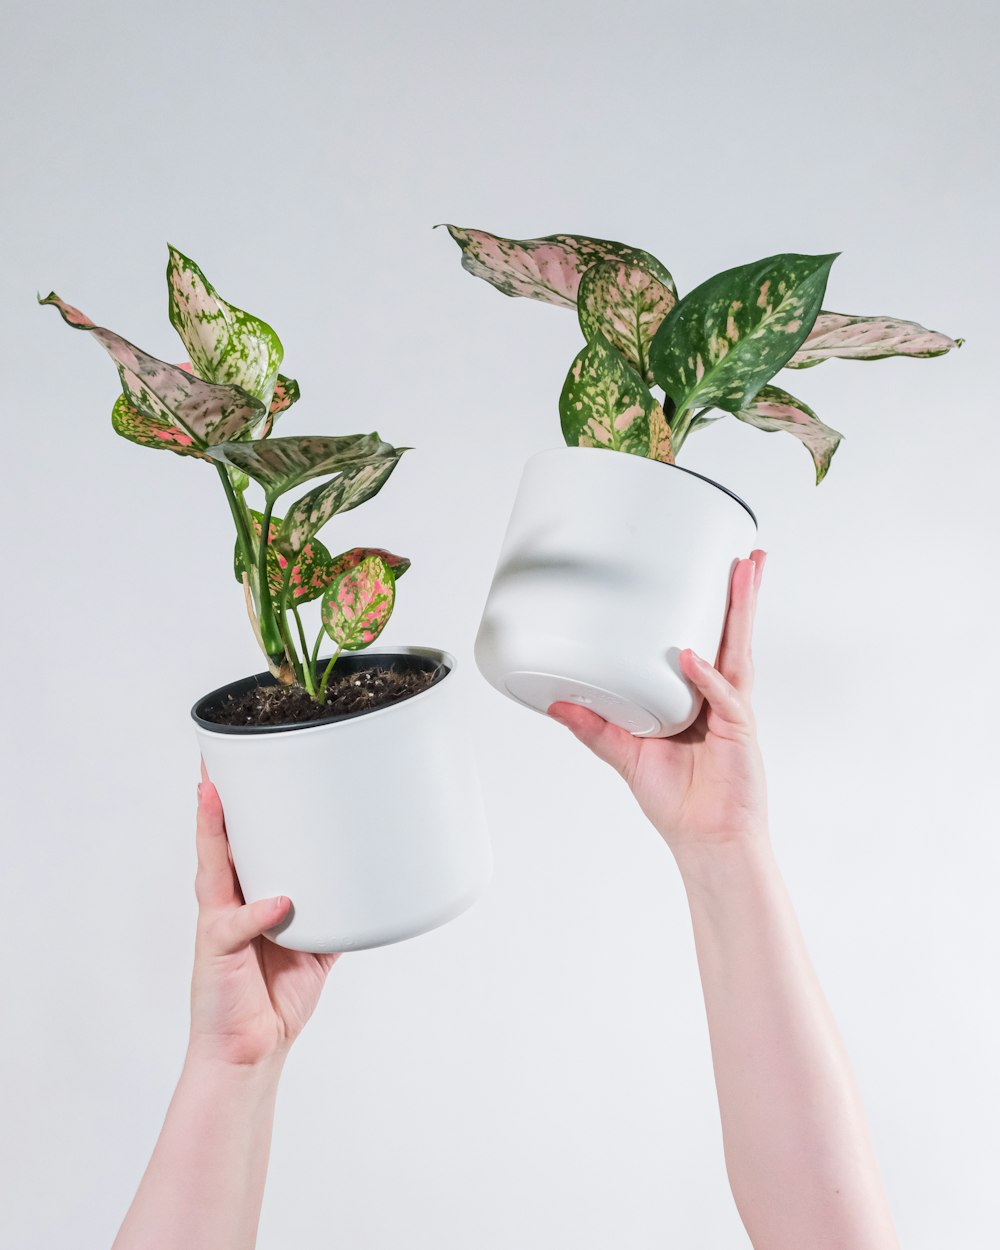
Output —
(612, 563)
(347, 783)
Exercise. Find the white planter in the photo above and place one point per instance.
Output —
(372, 825)
(611, 565)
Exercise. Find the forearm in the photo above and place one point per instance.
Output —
(204, 1184)
(798, 1153)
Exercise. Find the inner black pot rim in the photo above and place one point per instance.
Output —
(443, 660)
(662, 463)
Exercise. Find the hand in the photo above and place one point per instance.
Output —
(706, 784)
(250, 999)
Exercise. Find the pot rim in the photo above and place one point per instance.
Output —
(548, 451)
(440, 656)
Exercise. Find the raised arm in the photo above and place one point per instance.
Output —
(798, 1154)
(250, 999)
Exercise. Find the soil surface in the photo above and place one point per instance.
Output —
(363, 690)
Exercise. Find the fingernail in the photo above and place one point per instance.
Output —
(557, 716)
(278, 903)
(199, 791)
(697, 658)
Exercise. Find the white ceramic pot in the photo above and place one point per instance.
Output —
(372, 825)
(611, 565)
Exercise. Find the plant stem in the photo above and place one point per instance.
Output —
(272, 646)
(684, 419)
(326, 674)
(306, 666)
(315, 653)
(267, 614)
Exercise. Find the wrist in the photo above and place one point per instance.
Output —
(202, 1062)
(716, 866)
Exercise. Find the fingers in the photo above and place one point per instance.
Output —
(215, 884)
(236, 929)
(613, 745)
(735, 659)
(726, 701)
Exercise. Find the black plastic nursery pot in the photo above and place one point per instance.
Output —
(404, 663)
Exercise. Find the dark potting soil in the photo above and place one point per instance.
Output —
(364, 690)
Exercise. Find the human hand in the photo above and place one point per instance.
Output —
(705, 785)
(250, 999)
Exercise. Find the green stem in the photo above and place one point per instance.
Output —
(681, 427)
(306, 667)
(265, 620)
(326, 674)
(315, 651)
(267, 613)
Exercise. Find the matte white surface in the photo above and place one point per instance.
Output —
(535, 1074)
(387, 836)
(593, 598)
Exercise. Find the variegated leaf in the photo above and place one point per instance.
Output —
(626, 304)
(308, 515)
(604, 402)
(547, 269)
(225, 343)
(209, 412)
(279, 464)
(845, 337)
(357, 607)
(139, 428)
(312, 570)
(774, 409)
(720, 344)
(350, 559)
(660, 444)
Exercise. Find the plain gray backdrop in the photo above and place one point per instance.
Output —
(537, 1073)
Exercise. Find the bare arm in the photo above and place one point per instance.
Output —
(204, 1184)
(798, 1153)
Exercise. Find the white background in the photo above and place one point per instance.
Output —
(537, 1073)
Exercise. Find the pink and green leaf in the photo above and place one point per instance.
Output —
(139, 428)
(208, 412)
(357, 606)
(279, 464)
(226, 344)
(548, 268)
(351, 559)
(842, 336)
(348, 489)
(627, 304)
(721, 343)
(605, 403)
(311, 571)
(774, 409)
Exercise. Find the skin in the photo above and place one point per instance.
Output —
(798, 1154)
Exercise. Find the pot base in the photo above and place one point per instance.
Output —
(541, 690)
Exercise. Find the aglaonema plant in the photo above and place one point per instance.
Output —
(220, 408)
(716, 348)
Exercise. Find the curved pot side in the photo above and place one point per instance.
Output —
(611, 565)
(373, 826)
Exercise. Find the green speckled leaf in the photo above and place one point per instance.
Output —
(209, 412)
(774, 409)
(279, 464)
(309, 514)
(311, 572)
(842, 336)
(226, 344)
(604, 402)
(350, 559)
(627, 304)
(139, 428)
(721, 343)
(547, 269)
(357, 607)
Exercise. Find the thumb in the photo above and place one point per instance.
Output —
(235, 929)
(613, 745)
